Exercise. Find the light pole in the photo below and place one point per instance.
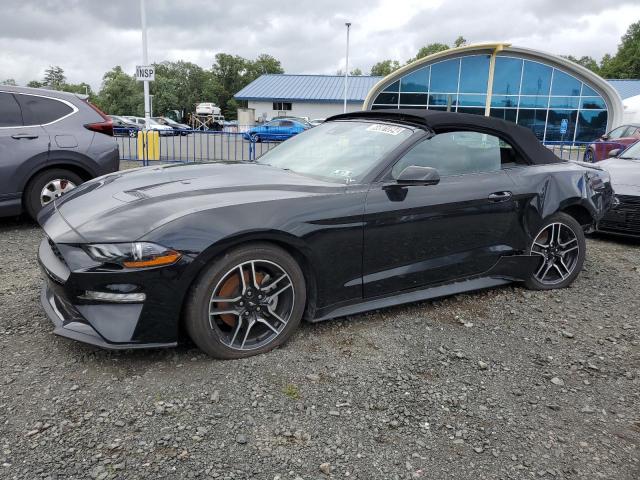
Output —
(346, 69)
(147, 101)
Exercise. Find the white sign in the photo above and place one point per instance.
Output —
(145, 73)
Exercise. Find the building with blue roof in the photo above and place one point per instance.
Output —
(311, 96)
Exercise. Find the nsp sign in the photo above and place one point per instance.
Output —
(147, 73)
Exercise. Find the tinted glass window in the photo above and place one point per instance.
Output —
(413, 98)
(474, 74)
(10, 115)
(504, 114)
(506, 77)
(533, 119)
(387, 98)
(564, 84)
(593, 103)
(505, 101)
(286, 123)
(588, 91)
(41, 110)
(444, 76)
(454, 153)
(591, 124)
(472, 100)
(417, 81)
(393, 87)
(554, 125)
(536, 79)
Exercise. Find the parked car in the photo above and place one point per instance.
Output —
(617, 138)
(208, 108)
(624, 168)
(153, 125)
(178, 128)
(123, 127)
(368, 210)
(275, 130)
(50, 142)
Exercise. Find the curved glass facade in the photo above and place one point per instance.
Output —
(527, 92)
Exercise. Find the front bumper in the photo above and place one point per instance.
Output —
(104, 324)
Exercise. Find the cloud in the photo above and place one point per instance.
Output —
(87, 38)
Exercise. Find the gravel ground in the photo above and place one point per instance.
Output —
(505, 383)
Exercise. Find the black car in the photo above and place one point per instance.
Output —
(123, 127)
(179, 128)
(367, 210)
(624, 168)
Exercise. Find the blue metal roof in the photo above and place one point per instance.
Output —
(626, 88)
(310, 88)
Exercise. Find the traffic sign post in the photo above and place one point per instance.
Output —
(145, 68)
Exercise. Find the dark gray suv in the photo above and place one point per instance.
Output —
(49, 142)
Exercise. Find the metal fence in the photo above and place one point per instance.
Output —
(230, 144)
(584, 151)
(237, 144)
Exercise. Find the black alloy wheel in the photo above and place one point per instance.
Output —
(561, 246)
(247, 302)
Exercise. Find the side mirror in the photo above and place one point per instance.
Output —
(414, 175)
(604, 137)
(614, 153)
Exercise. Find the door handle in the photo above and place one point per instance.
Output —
(500, 196)
(28, 136)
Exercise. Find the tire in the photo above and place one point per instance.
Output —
(255, 138)
(561, 262)
(589, 156)
(32, 195)
(220, 336)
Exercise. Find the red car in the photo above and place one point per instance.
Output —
(620, 137)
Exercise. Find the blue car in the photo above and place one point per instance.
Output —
(275, 130)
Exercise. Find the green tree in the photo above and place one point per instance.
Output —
(262, 65)
(54, 78)
(35, 84)
(120, 94)
(586, 61)
(385, 67)
(178, 86)
(460, 41)
(626, 62)
(356, 72)
(429, 49)
(8, 81)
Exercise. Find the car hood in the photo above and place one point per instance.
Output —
(128, 205)
(625, 175)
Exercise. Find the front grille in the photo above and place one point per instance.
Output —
(625, 218)
(55, 250)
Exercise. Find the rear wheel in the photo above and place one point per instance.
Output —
(247, 302)
(46, 186)
(561, 247)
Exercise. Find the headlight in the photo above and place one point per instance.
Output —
(133, 255)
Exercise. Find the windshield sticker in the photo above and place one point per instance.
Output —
(343, 173)
(388, 129)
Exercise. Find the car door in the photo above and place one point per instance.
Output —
(416, 236)
(23, 149)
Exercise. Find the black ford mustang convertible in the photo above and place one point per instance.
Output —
(367, 210)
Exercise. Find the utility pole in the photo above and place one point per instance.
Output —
(145, 59)
(346, 69)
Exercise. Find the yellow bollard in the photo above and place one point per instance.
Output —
(148, 145)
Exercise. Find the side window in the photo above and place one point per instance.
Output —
(41, 110)
(10, 115)
(617, 132)
(458, 153)
(286, 123)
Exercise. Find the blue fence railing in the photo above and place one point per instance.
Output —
(229, 144)
(584, 151)
(242, 144)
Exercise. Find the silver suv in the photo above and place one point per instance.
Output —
(50, 142)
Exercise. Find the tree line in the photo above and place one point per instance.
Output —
(180, 85)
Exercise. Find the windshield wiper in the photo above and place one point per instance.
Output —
(630, 158)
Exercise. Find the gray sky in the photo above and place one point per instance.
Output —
(89, 37)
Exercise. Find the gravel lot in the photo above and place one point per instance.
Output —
(505, 384)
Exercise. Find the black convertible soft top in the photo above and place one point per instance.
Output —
(521, 137)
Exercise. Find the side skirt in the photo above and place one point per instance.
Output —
(414, 296)
(506, 270)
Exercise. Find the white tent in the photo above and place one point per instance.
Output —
(631, 110)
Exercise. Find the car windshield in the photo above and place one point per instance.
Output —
(632, 153)
(342, 151)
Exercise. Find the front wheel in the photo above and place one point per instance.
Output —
(589, 156)
(247, 302)
(561, 247)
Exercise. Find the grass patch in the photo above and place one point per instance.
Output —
(291, 391)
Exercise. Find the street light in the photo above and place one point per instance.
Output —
(147, 101)
(346, 69)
